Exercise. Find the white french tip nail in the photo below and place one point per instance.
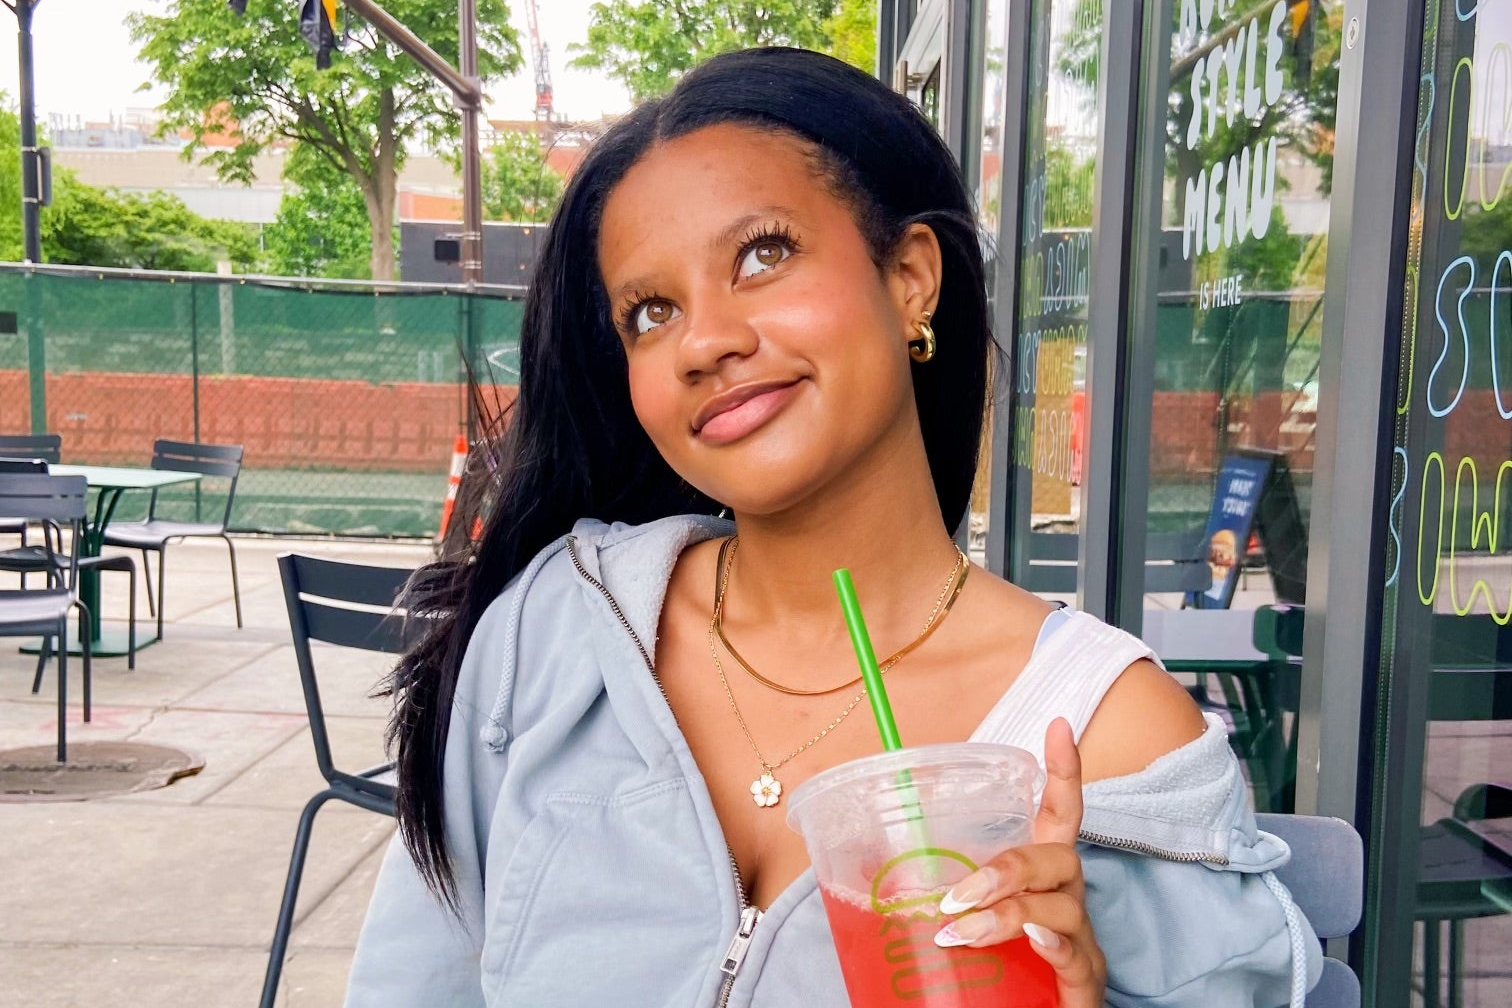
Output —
(951, 906)
(946, 937)
(1042, 936)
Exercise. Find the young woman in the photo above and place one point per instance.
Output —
(763, 295)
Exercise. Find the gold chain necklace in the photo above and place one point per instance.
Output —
(766, 790)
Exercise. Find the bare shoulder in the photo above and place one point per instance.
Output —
(1144, 715)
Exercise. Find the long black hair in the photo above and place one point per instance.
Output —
(569, 446)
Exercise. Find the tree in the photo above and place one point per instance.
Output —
(518, 184)
(87, 226)
(853, 34)
(322, 227)
(11, 245)
(248, 82)
(648, 44)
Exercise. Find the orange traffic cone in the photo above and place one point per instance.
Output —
(453, 481)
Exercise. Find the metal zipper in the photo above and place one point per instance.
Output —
(749, 915)
(1139, 847)
(735, 955)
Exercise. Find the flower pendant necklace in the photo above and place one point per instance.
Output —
(766, 790)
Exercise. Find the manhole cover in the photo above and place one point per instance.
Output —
(93, 770)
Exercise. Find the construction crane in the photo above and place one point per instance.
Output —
(538, 56)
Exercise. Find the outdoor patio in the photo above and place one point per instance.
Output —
(168, 897)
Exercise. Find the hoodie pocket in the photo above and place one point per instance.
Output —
(606, 900)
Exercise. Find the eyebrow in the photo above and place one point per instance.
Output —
(727, 236)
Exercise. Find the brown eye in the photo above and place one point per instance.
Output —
(762, 256)
(652, 314)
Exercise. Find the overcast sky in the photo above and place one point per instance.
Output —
(85, 62)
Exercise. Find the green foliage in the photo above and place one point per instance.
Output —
(1069, 181)
(648, 44)
(239, 84)
(10, 182)
(853, 34)
(322, 225)
(1268, 263)
(86, 226)
(1485, 234)
(518, 185)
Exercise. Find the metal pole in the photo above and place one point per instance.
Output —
(467, 92)
(397, 33)
(472, 169)
(31, 221)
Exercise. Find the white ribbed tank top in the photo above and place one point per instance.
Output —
(1076, 659)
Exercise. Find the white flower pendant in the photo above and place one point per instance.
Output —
(766, 790)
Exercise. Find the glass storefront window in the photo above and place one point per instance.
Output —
(989, 204)
(1448, 587)
(1236, 315)
(1054, 251)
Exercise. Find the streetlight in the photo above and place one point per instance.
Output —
(31, 155)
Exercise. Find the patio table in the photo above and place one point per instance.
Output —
(111, 482)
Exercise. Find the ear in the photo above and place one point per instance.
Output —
(913, 277)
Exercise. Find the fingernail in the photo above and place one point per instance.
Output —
(966, 894)
(964, 931)
(1042, 936)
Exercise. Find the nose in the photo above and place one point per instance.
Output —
(714, 331)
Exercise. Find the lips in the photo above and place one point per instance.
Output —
(733, 414)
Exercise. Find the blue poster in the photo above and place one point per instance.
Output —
(1241, 481)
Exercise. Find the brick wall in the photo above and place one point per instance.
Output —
(284, 423)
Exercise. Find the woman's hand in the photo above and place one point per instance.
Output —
(1037, 890)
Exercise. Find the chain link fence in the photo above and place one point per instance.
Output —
(347, 397)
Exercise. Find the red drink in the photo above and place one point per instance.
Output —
(889, 959)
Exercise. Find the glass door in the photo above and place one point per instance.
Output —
(1439, 906)
(1228, 333)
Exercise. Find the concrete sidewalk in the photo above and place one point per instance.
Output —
(167, 898)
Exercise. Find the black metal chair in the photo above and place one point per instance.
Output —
(322, 596)
(1460, 876)
(30, 559)
(154, 533)
(53, 502)
(26, 447)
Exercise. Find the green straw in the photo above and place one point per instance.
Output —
(870, 673)
(881, 709)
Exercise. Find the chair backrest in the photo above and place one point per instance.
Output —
(207, 459)
(347, 604)
(48, 447)
(1326, 876)
(23, 465)
(53, 501)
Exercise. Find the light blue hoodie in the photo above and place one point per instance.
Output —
(593, 871)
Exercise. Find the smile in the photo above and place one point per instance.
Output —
(734, 414)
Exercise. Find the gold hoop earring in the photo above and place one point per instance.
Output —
(922, 350)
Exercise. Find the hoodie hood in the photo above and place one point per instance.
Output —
(632, 562)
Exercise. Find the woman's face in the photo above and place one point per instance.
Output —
(767, 351)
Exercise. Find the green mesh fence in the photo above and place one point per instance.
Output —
(347, 398)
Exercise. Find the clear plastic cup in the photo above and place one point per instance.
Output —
(888, 836)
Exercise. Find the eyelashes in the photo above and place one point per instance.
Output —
(776, 231)
(624, 315)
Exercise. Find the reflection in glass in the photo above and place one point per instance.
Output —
(989, 195)
(1055, 245)
(1448, 587)
(929, 97)
(1238, 263)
